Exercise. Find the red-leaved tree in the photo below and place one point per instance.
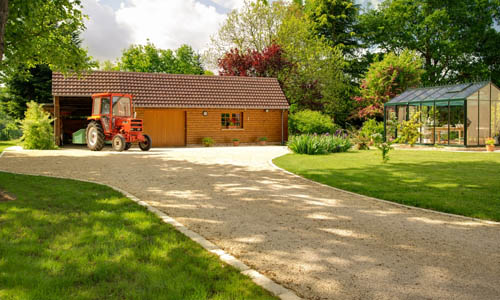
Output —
(267, 63)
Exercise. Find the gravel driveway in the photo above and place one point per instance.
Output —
(317, 241)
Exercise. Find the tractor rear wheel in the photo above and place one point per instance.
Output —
(146, 145)
(119, 143)
(127, 146)
(95, 136)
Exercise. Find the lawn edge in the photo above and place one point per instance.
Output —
(488, 222)
(258, 278)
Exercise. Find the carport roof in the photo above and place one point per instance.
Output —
(179, 91)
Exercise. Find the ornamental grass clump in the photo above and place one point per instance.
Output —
(313, 144)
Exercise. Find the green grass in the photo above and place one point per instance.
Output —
(461, 183)
(65, 239)
(7, 144)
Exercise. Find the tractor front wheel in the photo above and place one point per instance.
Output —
(146, 145)
(127, 146)
(119, 143)
(95, 136)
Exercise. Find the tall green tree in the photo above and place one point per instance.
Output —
(42, 32)
(318, 81)
(335, 20)
(32, 84)
(252, 27)
(149, 58)
(456, 39)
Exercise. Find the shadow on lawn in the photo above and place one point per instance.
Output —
(320, 242)
(96, 244)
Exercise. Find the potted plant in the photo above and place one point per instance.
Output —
(490, 144)
(236, 142)
(262, 140)
(207, 141)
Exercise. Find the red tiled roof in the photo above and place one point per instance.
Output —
(169, 90)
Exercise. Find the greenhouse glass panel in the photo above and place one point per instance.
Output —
(442, 126)
(495, 120)
(484, 114)
(427, 123)
(401, 117)
(472, 121)
(390, 117)
(457, 116)
(495, 114)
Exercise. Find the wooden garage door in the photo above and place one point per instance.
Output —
(165, 126)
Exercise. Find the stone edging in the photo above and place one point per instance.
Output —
(380, 200)
(261, 280)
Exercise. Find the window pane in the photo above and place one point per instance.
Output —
(105, 106)
(96, 107)
(441, 123)
(121, 106)
(484, 114)
(390, 116)
(472, 120)
(401, 116)
(412, 110)
(457, 122)
(428, 123)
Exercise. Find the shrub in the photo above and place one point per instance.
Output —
(263, 139)
(409, 130)
(371, 127)
(207, 141)
(9, 130)
(318, 144)
(37, 128)
(309, 122)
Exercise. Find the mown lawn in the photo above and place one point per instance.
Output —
(65, 239)
(461, 183)
(7, 144)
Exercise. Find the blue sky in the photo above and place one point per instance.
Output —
(116, 24)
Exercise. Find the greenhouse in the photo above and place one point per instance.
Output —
(455, 115)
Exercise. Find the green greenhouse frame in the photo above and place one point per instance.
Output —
(453, 115)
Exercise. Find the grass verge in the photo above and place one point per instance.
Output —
(65, 239)
(459, 183)
(7, 144)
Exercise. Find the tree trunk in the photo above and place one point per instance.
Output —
(4, 12)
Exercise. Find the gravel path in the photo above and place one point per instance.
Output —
(320, 242)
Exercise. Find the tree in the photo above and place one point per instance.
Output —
(22, 87)
(318, 82)
(42, 32)
(253, 27)
(270, 62)
(455, 38)
(148, 58)
(108, 65)
(386, 79)
(335, 20)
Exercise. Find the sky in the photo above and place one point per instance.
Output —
(114, 25)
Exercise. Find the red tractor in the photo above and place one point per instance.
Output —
(113, 120)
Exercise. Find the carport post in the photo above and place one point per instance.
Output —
(57, 121)
(282, 130)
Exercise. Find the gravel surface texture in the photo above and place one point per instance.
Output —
(320, 242)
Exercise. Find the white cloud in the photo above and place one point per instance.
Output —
(104, 37)
(169, 24)
(230, 4)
